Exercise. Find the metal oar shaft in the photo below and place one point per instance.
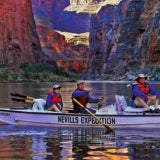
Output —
(109, 128)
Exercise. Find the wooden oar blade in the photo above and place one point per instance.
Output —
(109, 129)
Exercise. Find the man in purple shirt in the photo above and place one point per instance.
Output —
(144, 94)
(54, 100)
(83, 97)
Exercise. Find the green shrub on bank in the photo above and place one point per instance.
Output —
(34, 72)
(4, 75)
(2, 66)
(14, 76)
(40, 72)
(34, 68)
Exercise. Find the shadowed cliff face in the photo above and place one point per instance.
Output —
(104, 33)
(19, 40)
(125, 37)
(139, 43)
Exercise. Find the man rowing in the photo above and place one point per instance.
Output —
(83, 96)
(144, 95)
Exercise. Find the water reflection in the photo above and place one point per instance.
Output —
(32, 142)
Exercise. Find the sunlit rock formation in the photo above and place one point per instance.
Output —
(89, 6)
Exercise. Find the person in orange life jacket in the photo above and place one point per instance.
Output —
(144, 94)
(54, 100)
(83, 97)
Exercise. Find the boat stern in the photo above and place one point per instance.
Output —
(6, 118)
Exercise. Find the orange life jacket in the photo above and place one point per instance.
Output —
(144, 88)
(83, 100)
(57, 99)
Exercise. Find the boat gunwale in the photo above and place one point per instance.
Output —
(138, 114)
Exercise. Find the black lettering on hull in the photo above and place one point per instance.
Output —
(67, 119)
(85, 120)
(4, 114)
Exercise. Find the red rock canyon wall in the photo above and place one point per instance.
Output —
(19, 42)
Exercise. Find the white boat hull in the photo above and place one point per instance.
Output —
(17, 117)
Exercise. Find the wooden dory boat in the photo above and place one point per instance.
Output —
(28, 116)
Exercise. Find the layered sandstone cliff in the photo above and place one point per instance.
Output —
(69, 53)
(63, 35)
(19, 40)
(126, 37)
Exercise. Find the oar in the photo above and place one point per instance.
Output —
(108, 127)
(23, 96)
(22, 100)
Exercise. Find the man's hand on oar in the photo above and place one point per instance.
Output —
(100, 102)
(110, 130)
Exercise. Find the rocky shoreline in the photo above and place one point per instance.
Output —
(38, 73)
(94, 77)
(153, 74)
